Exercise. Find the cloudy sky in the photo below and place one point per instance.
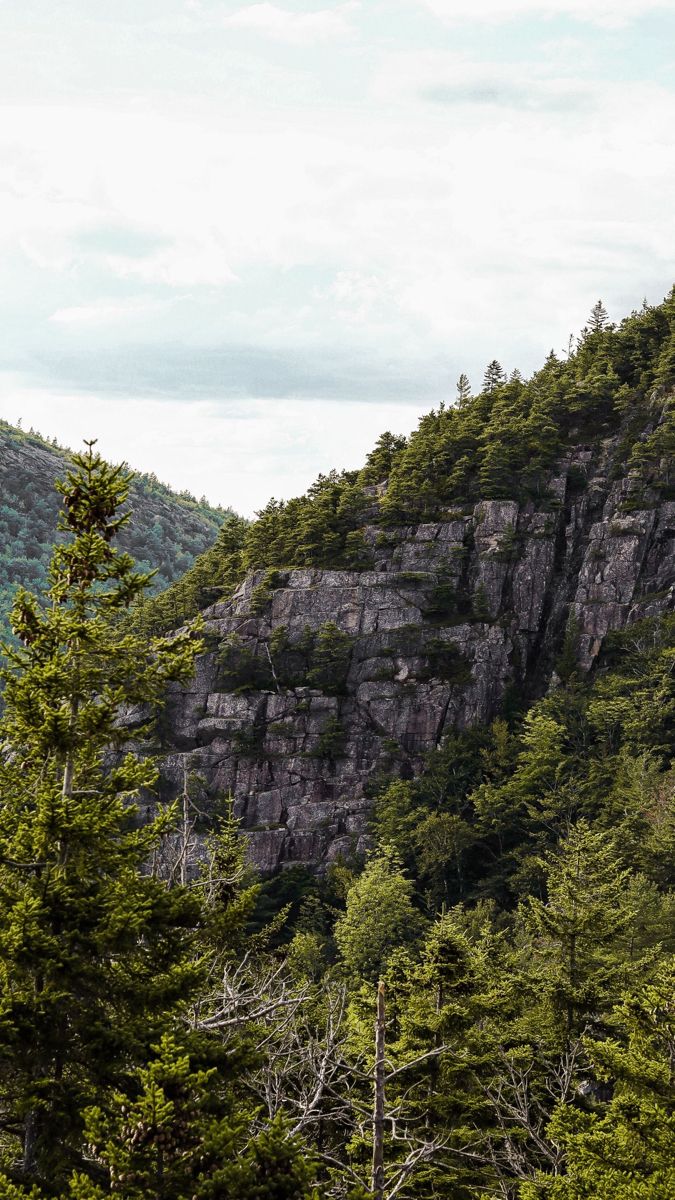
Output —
(238, 240)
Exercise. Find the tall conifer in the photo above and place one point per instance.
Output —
(94, 951)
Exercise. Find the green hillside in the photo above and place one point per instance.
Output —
(473, 1004)
(166, 533)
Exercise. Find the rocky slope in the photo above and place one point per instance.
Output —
(317, 682)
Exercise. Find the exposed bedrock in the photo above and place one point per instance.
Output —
(293, 720)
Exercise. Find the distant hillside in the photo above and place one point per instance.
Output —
(167, 531)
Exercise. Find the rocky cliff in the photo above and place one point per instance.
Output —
(316, 683)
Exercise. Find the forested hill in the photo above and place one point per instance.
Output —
(500, 443)
(167, 531)
(440, 696)
(455, 580)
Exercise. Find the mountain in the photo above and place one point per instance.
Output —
(439, 696)
(466, 575)
(166, 533)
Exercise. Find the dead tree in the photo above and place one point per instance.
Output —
(377, 1176)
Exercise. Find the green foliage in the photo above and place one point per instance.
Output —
(311, 530)
(173, 1135)
(213, 577)
(331, 740)
(584, 931)
(241, 668)
(446, 661)
(502, 443)
(166, 532)
(492, 802)
(262, 594)
(480, 605)
(330, 659)
(379, 918)
(94, 953)
(622, 1149)
(382, 458)
(515, 903)
(319, 659)
(114, 1077)
(566, 664)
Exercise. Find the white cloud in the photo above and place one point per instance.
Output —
(108, 312)
(285, 229)
(297, 28)
(608, 13)
(192, 262)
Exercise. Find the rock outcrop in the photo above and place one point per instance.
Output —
(449, 616)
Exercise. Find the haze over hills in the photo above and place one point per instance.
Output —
(166, 533)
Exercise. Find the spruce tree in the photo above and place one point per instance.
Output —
(379, 917)
(95, 953)
(494, 376)
(463, 389)
(598, 318)
(622, 1148)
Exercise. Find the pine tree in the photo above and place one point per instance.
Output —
(463, 389)
(94, 951)
(580, 931)
(494, 376)
(598, 318)
(379, 917)
(622, 1149)
(181, 1133)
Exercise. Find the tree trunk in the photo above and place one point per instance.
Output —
(377, 1179)
(30, 1138)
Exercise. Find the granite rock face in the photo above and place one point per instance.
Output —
(449, 616)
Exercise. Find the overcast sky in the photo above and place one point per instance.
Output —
(239, 240)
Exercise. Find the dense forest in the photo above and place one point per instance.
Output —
(482, 1007)
(167, 531)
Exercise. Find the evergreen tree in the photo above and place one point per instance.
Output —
(494, 376)
(181, 1133)
(379, 917)
(94, 951)
(463, 389)
(581, 932)
(622, 1149)
(598, 319)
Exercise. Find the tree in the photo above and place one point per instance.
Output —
(598, 318)
(621, 1149)
(382, 457)
(173, 1136)
(94, 951)
(581, 931)
(379, 917)
(463, 389)
(494, 376)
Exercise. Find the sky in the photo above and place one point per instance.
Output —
(240, 240)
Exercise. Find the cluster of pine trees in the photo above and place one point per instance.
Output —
(500, 443)
(162, 1036)
(124, 1054)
